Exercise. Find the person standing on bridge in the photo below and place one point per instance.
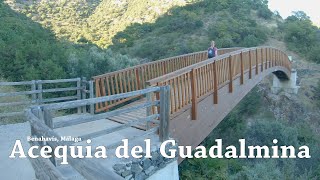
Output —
(212, 50)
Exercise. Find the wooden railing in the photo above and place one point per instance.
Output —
(134, 78)
(42, 124)
(37, 91)
(190, 84)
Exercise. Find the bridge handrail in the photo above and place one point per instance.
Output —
(198, 80)
(36, 90)
(220, 51)
(189, 68)
(134, 78)
(86, 167)
(42, 124)
(85, 102)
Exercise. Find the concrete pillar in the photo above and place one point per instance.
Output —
(289, 86)
(170, 171)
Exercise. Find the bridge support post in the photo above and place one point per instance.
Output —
(79, 93)
(91, 96)
(262, 60)
(84, 94)
(215, 84)
(241, 68)
(230, 75)
(250, 65)
(257, 63)
(289, 86)
(164, 113)
(194, 95)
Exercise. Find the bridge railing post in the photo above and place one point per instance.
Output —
(230, 74)
(34, 95)
(138, 79)
(91, 95)
(250, 65)
(257, 62)
(79, 93)
(149, 108)
(39, 84)
(241, 69)
(193, 94)
(84, 90)
(164, 113)
(47, 115)
(215, 83)
(262, 60)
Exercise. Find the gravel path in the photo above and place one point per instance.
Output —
(17, 168)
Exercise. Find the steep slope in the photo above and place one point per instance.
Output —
(29, 51)
(192, 27)
(95, 21)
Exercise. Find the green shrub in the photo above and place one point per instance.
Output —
(301, 36)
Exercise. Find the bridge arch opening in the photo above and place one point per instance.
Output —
(281, 75)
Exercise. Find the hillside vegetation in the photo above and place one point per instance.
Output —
(29, 51)
(301, 36)
(95, 21)
(151, 29)
(192, 27)
(72, 39)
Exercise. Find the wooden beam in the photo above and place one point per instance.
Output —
(230, 74)
(250, 65)
(16, 83)
(266, 58)
(44, 169)
(257, 66)
(19, 93)
(10, 114)
(262, 59)
(215, 84)
(98, 94)
(91, 95)
(78, 94)
(60, 99)
(85, 119)
(33, 88)
(64, 89)
(138, 79)
(119, 127)
(59, 81)
(241, 68)
(17, 103)
(194, 94)
(164, 113)
(48, 118)
(84, 95)
(86, 167)
(74, 104)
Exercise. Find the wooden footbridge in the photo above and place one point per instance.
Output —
(183, 97)
(202, 91)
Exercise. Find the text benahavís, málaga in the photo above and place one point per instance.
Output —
(183, 151)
